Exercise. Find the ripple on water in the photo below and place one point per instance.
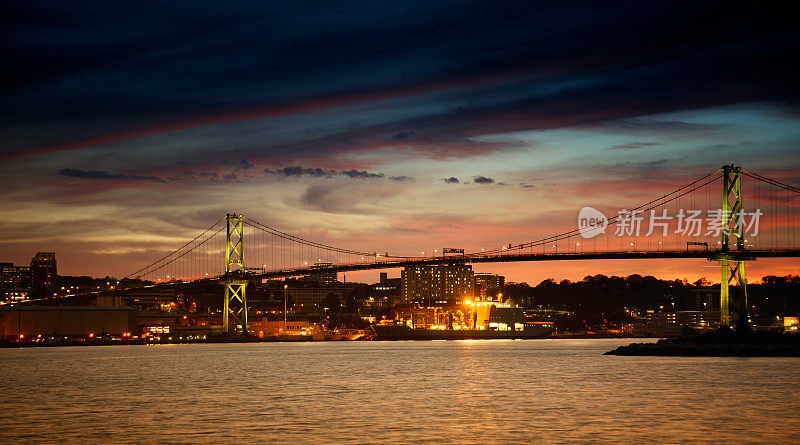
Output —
(380, 392)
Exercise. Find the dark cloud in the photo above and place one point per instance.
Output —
(404, 135)
(300, 171)
(319, 173)
(242, 164)
(526, 185)
(451, 180)
(100, 174)
(482, 180)
(361, 174)
(98, 73)
(632, 146)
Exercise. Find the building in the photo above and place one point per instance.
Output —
(149, 298)
(44, 273)
(490, 281)
(12, 276)
(486, 282)
(311, 296)
(266, 328)
(691, 319)
(652, 329)
(15, 295)
(704, 298)
(386, 293)
(14, 282)
(445, 283)
(66, 321)
(323, 277)
(499, 318)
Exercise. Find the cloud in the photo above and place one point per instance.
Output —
(632, 146)
(451, 180)
(242, 164)
(300, 171)
(104, 175)
(482, 180)
(117, 75)
(361, 174)
(352, 197)
(404, 135)
(295, 171)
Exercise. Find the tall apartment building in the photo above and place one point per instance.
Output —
(44, 272)
(437, 284)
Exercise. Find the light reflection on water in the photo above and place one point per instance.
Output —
(410, 392)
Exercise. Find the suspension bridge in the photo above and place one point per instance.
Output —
(748, 216)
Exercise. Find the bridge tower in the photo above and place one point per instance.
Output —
(234, 287)
(732, 262)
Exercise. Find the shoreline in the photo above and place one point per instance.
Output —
(40, 343)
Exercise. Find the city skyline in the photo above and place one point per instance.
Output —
(388, 128)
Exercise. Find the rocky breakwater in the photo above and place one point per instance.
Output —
(723, 343)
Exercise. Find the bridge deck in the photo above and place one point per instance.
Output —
(507, 258)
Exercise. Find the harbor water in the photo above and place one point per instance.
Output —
(491, 391)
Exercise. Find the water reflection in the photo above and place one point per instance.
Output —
(461, 391)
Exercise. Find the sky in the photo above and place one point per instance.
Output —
(126, 129)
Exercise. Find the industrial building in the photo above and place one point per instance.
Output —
(66, 321)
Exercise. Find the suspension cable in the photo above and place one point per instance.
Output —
(306, 242)
(644, 207)
(771, 181)
(177, 250)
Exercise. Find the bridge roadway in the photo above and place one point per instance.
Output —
(519, 257)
